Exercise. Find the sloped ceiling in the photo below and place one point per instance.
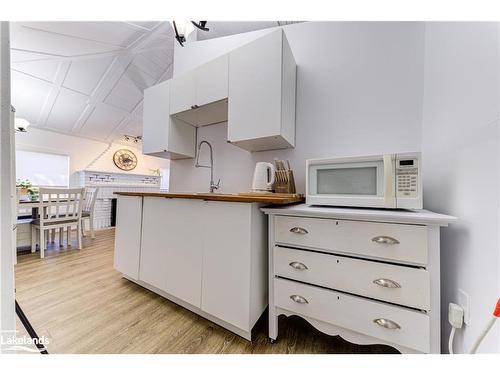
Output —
(219, 29)
(87, 78)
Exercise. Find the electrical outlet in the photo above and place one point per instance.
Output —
(464, 301)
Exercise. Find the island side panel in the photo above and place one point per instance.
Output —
(128, 235)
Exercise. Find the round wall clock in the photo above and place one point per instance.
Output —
(125, 159)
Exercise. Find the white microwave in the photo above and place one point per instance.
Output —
(382, 181)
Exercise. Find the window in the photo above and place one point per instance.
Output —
(42, 169)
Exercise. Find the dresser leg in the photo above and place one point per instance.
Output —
(273, 325)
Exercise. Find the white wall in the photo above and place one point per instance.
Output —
(461, 164)
(83, 152)
(359, 91)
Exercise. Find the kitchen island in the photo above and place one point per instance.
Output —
(205, 252)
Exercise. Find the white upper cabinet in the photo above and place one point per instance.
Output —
(155, 121)
(252, 89)
(262, 76)
(183, 92)
(199, 97)
(162, 135)
(211, 81)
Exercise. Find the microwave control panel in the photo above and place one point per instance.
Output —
(407, 178)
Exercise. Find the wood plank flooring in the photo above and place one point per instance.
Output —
(77, 300)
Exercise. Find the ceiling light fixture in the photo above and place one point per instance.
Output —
(183, 29)
(202, 25)
(132, 138)
(21, 124)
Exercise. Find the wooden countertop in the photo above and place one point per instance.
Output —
(269, 198)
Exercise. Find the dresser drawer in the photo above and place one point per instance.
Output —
(386, 322)
(402, 285)
(393, 242)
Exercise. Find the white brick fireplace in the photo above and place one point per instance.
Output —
(109, 182)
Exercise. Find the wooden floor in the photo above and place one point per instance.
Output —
(77, 300)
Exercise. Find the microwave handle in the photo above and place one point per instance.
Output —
(389, 175)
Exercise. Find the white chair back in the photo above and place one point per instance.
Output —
(89, 199)
(57, 205)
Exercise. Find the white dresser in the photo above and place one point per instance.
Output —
(370, 276)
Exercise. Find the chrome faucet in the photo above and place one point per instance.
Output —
(213, 186)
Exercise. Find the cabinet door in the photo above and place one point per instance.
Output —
(211, 81)
(226, 262)
(183, 93)
(172, 247)
(182, 224)
(156, 116)
(128, 235)
(154, 237)
(255, 89)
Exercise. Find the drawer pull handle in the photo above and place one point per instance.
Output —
(385, 240)
(298, 230)
(298, 299)
(387, 283)
(298, 266)
(387, 323)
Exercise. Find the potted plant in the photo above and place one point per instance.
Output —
(26, 190)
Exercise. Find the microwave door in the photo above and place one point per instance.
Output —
(349, 184)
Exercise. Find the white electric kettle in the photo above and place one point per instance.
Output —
(263, 177)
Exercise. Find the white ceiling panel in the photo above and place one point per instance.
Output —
(128, 92)
(28, 95)
(101, 122)
(132, 127)
(127, 102)
(141, 76)
(88, 78)
(66, 110)
(45, 70)
(117, 34)
(150, 67)
(85, 75)
(55, 45)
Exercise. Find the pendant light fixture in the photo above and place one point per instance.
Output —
(182, 29)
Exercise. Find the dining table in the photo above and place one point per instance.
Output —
(33, 204)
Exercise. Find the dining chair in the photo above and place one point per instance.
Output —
(57, 209)
(88, 208)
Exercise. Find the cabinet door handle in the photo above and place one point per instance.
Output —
(387, 323)
(298, 266)
(387, 283)
(385, 240)
(298, 230)
(298, 299)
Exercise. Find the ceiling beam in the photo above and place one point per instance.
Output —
(62, 72)
(38, 30)
(97, 55)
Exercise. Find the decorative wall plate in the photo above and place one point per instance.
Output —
(125, 159)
